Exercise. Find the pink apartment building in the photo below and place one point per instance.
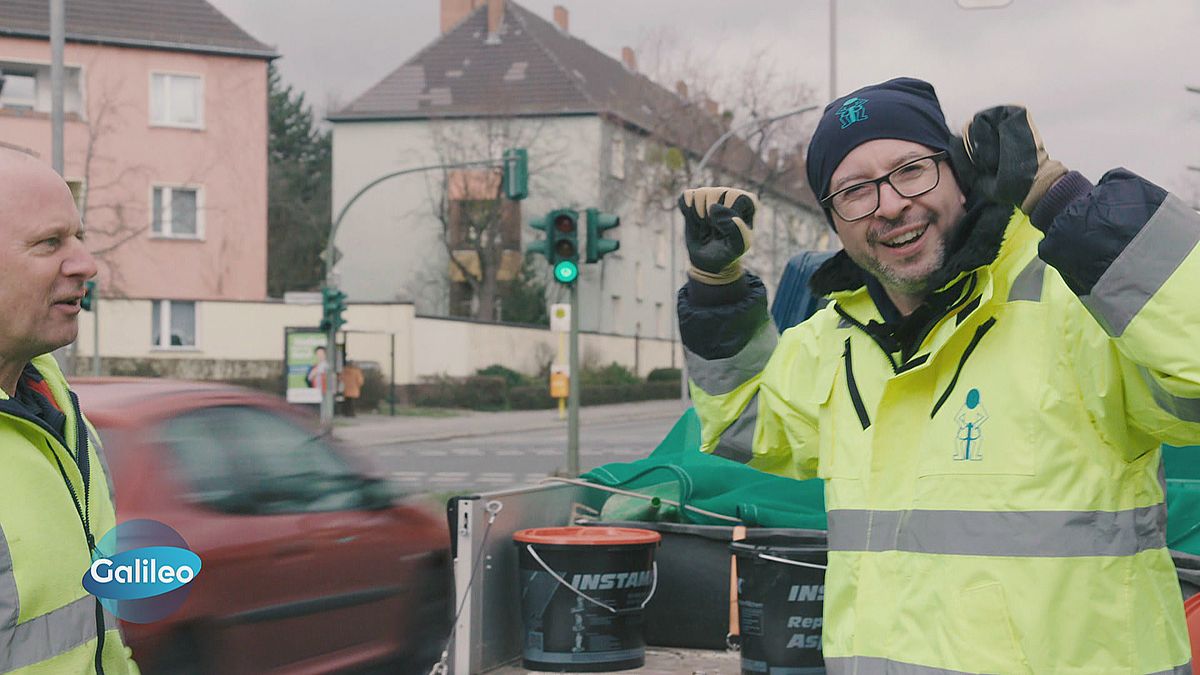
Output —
(165, 145)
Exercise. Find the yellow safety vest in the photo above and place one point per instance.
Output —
(996, 502)
(48, 622)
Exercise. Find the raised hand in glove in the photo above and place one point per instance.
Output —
(718, 222)
(1010, 164)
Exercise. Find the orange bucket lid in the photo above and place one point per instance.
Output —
(587, 536)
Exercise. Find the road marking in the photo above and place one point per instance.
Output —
(500, 480)
(432, 453)
(547, 452)
(410, 474)
(467, 452)
(534, 477)
(510, 453)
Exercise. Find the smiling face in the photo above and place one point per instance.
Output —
(905, 241)
(43, 258)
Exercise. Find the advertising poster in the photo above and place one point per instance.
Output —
(304, 354)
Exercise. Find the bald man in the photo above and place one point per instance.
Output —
(55, 500)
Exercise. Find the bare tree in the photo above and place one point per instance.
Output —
(765, 158)
(480, 229)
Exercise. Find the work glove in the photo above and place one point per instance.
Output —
(1010, 164)
(718, 222)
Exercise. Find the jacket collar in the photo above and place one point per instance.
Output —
(976, 245)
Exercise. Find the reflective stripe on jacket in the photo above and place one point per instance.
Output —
(996, 503)
(48, 622)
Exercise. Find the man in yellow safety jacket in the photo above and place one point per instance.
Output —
(1006, 348)
(55, 494)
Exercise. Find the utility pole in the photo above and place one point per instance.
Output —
(66, 355)
(573, 392)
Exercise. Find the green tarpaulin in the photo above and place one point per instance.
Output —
(678, 471)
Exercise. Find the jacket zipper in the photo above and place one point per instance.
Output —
(979, 333)
(83, 463)
(855, 397)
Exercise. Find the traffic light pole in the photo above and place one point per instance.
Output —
(331, 335)
(573, 391)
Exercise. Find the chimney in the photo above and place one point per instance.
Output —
(629, 58)
(454, 11)
(681, 89)
(495, 11)
(560, 18)
(711, 106)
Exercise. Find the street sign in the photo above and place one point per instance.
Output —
(560, 382)
(302, 298)
(560, 318)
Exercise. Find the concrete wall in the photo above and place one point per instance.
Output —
(246, 340)
(226, 159)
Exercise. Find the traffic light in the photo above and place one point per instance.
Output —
(561, 245)
(516, 173)
(89, 295)
(333, 303)
(597, 245)
(565, 244)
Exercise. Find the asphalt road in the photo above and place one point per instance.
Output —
(507, 458)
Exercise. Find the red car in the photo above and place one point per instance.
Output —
(309, 563)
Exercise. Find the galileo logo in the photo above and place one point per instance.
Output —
(142, 571)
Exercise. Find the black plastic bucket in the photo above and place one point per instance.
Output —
(582, 594)
(781, 594)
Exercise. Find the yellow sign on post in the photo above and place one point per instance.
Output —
(560, 382)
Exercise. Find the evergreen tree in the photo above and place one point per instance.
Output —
(299, 186)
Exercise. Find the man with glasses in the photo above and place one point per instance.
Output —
(1006, 347)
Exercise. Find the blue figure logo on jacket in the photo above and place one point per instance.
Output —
(971, 416)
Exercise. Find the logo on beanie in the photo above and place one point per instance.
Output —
(853, 110)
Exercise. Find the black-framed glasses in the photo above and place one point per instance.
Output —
(909, 180)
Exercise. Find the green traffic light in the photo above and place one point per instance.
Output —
(565, 272)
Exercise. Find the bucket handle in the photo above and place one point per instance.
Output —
(569, 587)
(797, 563)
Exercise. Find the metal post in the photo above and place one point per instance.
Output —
(573, 392)
(57, 38)
(392, 377)
(66, 355)
(833, 92)
(330, 382)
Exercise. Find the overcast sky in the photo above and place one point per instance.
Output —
(1105, 79)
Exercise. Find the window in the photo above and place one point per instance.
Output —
(660, 249)
(20, 90)
(248, 460)
(176, 100)
(175, 212)
(172, 324)
(637, 280)
(616, 163)
(26, 87)
(616, 313)
(659, 323)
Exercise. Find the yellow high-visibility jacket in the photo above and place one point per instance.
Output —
(995, 498)
(48, 623)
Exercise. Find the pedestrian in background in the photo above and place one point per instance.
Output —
(1006, 347)
(352, 382)
(55, 494)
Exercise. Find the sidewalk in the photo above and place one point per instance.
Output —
(370, 430)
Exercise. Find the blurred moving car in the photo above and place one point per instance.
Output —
(309, 563)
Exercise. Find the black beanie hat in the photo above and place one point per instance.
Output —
(904, 108)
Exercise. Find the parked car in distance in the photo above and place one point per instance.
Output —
(310, 562)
